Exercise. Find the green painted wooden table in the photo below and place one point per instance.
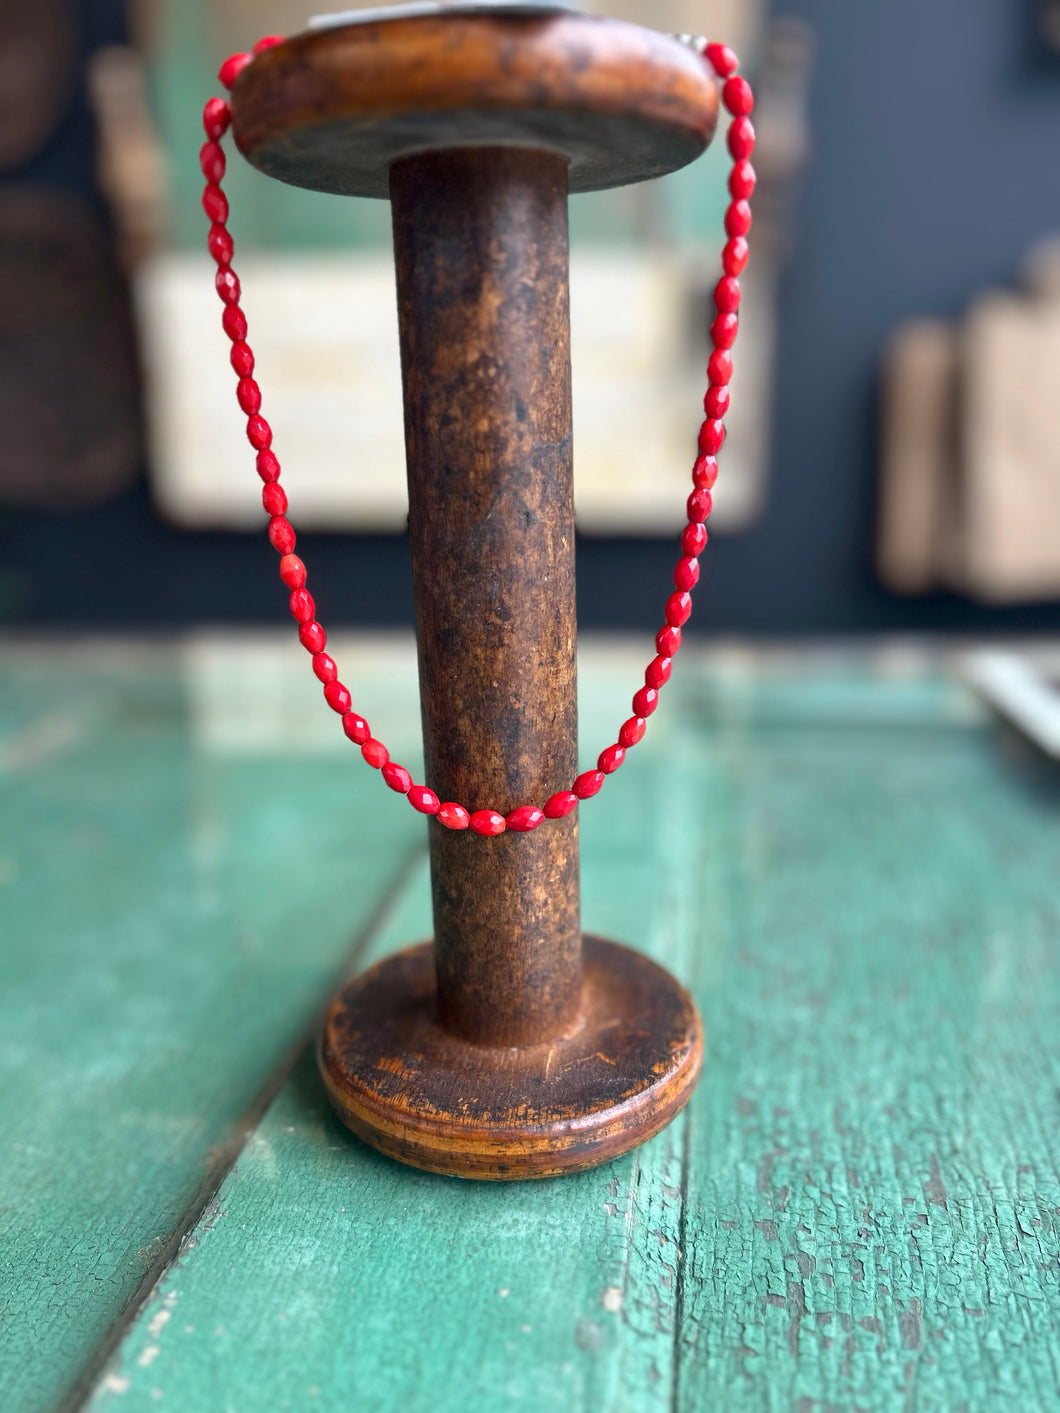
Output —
(859, 1210)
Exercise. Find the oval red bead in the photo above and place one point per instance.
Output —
(711, 436)
(705, 472)
(241, 358)
(215, 118)
(723, 331)
(657, 672)
(292, 571)
(220, 245)
(232, 67)
(699, 505)
(589, 783)
(524, 818)
(315, 640)
(374, 752)
(645, 701)
(610, 758)
(303, 609)
(738, 97)
(742, 181)
(356, 728)
(324, 667)
(694, 539)
(397, 777)
(424, 800)
(268, 466)
(281, 535)
(734, 256)
(740, 138)
(632, 731)
(226, 282)
(686, 572)
(487, 822)
(234, 322)
(215, 203)
(737, 221)
(719, 367)
(722, 59)
(248, 394)
(212, 162)
(269, 42)
(453, 816)
(274, 498)
(727, 295)
(259, 433)
(668, 640)
(678, 609)
(560, 804)
(716, 402)
(337, 696)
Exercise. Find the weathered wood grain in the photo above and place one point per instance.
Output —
(172, 915)
(858, 1210)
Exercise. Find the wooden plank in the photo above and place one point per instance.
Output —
(174, 911)
(861, 1208)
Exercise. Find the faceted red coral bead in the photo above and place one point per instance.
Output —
(741, 138)
(453, 816)
(737, 218)
(705, 472)
(711, 436)
(588, 784)
(524, 818)
(259, 433)
(488, 822)
(268, 466)
(337, 696)
(722, 58)
(742, 180)
(215, 203)
(248, 394)
(292, 571)
(212, 162)
(610, 758)
(686, 572)
(315, 640)
(723, 331)
(719, 366)
(632, 731)
(220, 245)
(734, 256)
(232, 67)
(274, 498)
(560, 804)
(226, 282)
(215, 118)
(699, 505)
(281, 535)
(374, 752)
(657, 672)
(303, 610)
(668, 640)
(424, 800)
(397, 777)
(356, 728)
(325, 668)
(716, 401)
(234, 322)
(241, 358)
(645, 701)
(694, 539)
(269, 42)
(678, 608)
(727, 295)
(738, 97)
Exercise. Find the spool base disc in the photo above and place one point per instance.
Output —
(434, 1101)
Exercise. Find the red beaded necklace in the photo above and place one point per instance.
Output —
(739, 100)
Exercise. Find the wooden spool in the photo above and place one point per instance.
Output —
(514, 1047)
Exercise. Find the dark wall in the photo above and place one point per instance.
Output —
(936, 130)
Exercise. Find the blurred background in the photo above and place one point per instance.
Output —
(894, 452)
